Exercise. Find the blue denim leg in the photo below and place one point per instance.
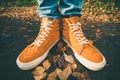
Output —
(71, 7)
(48, 8)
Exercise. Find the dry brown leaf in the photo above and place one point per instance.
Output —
(98, 33)
(65, 73)
(46, 64)
(52, 76)
(60, 45)
(85, 75)
(69, 58)
(91, 42)
(38, 71)
(58, 70)
(40, 77)
(77, 75)
(74, 66)
(63, 49)
(37, 77)
(23, 28)
(40, 68)
(61, 61)
(92, 26)
(55, 58)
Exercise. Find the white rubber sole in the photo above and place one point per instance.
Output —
(34, 63)
(88, 64)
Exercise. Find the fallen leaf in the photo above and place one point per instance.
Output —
(85, 76)
(55, 58)
(60, 45)
(58, 70)
(37, 77)
(61, 61)
(77, 75)
(23, 28)
(52, 76)
(40, 77)
(91, 42)
(74, 66)
(69, 58)
(63, 49)
(79, 67)
(46, 64)
(92, 26)
(65, 73)
(38, 71)
(98, 33)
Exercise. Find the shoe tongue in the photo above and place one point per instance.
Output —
(74, 19)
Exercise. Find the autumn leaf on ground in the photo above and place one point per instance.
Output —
(46, 64)
(69, 58)
(52, 75)
(65, 73)
(98, 33)
(23, 28)
(91, 42)
(38, 70)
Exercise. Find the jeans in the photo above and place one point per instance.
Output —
(59, 8)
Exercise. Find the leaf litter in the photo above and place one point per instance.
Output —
(61, 67)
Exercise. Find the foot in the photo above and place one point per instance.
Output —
(85, 53)
(37, 51)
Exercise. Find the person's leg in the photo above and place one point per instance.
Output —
(47, 37)
(85, 53)
(48, 8)
(71, 7)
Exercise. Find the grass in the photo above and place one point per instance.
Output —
(98, 7)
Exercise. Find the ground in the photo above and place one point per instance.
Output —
(19, 27)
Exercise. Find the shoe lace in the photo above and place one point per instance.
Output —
(45, 27)
(79, 35)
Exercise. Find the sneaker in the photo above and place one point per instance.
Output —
(85, 53)
(37, 51)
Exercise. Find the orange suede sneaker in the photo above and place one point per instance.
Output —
(37, 51)
(85, 53)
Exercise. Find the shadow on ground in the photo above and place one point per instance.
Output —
(16, 34)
